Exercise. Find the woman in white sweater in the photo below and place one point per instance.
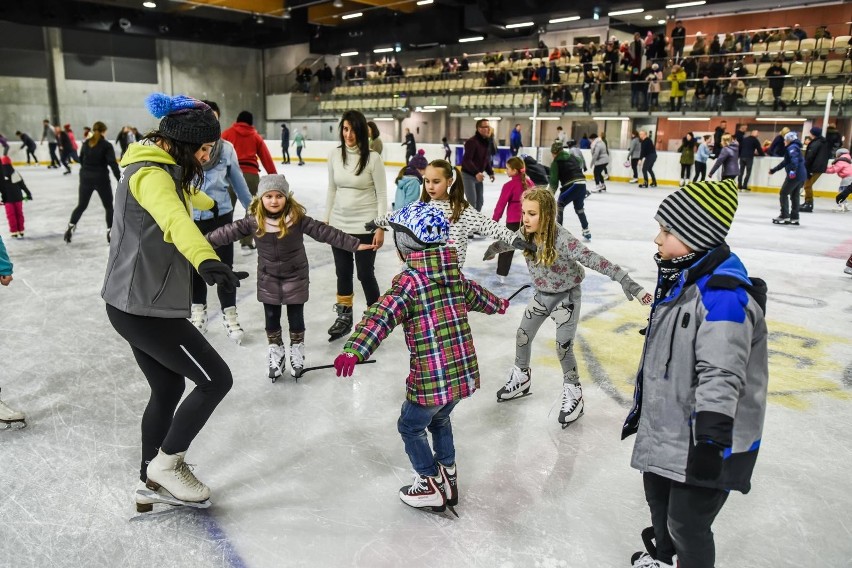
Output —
(357, 193)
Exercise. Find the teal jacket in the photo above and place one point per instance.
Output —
(5, 263)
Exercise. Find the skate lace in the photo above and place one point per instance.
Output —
(184, 471)
(515, 380)
(418, 486)
(646, 561)
(276, 354)
(570, 397)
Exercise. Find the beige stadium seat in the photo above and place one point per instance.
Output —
(841, 44)
(807, 45)
(774, 46)
(788, 94)
(665, 96)
(464, 101)
(833, 67)
(821, 94)
(750, 68)
(518, 100)
(480, 101)
(817, 68)
(806, 95)
(527, 101)
(798, 68)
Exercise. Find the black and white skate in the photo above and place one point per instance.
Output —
(572, 404)
(342, 326)
(517, 385)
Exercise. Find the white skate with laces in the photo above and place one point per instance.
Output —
(297, 359)
(572, 404)
(171, 481)
(517, 384)
(275, 361)
(198, 317)
(232, 325)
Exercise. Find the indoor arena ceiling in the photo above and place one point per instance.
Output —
(408, 24)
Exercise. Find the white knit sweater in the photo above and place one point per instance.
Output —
(353, 200)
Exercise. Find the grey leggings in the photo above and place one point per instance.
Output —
(564, 309)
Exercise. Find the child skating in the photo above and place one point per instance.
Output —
(510, 203)
(443, 187)
(842, 166)
(13, 193)
(278, 224)
(431, 299)
(700, 394)
(556, 274)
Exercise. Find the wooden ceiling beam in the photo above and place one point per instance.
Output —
(266, 7)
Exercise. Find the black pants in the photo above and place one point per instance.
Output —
(285, 153)
(597, 172)
(363, 261)
(299, 154)
(31, 152)
(685, 171)
(633, 163)
(295, 317)
(168, 350)
(789, 197)
(700, 170)
(745, 172)
(408, 155)
(88, 185)
(648, 169)
(54, 159)
(225, 253)
(576, 194)
(504, 259)
(65, 159)
(682, 516)
(447, 156)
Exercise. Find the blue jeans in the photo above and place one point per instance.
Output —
(413, 422)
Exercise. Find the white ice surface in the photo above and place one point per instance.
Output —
(307, 473)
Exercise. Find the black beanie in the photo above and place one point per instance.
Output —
(247, 117)
(184, 119)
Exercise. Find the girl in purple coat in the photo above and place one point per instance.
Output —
(278, 224)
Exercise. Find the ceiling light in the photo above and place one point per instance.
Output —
(626, 12)
(424, 2)
(149, 4)
(661, 22)
(610, 118)
(685, 4)
(474, 38)
(544, 118)
(348, 53)
(688, 118)
(287, 14)
(350, 16)
(488, 118)
(779, 119)
(520, 25)
(383, 118)
(383, 50)
(649, 17)
(560, 20)
(436, 107)
(259, 20)
(337, 3)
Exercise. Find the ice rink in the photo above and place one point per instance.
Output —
(307, 473)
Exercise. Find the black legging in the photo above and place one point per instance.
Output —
(504, 259)
(648, 168)
(598, 174)
(168, 350)
(685, 171)
(700, 170)
(295, 317)
(285, 153)
(633, 163)
(745, 172)
(89, 184)
(227, 298)
(31, 152)
(364, 264)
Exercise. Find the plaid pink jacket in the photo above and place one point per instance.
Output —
(431, 298)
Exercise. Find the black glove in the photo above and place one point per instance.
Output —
(220, 274)
(371, 226)
(215, 210)
(524, 245)
(705, 463)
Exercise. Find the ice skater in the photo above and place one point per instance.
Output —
(794, 164)
(278, 224)
(431, 299)
(842, 166)
(147, 289)
(556, 274)
(13, 193)
(443, 188)
(569, 182)
(510, 203)
(700, 395)
(9, 417)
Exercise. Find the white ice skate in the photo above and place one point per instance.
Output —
(171, 473)
(297, 359)
(232, 325)
(517, 385)
(645, 560)
(425, 493)
(841, 208)
(275, 359)
(449, 477)
(198, 317)
(572, 404)
(10, 418)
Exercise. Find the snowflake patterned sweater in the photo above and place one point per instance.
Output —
(431, 298)
(469, 221)
(566, 271)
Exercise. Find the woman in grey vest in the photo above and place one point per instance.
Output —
(155, 246)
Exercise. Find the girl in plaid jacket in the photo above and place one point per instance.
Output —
(431, 299)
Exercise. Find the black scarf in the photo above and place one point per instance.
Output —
(668, 271)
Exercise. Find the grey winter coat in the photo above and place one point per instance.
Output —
(634, 149)
(600, 155)
(728, 160)
(703, 375)
(282, 264)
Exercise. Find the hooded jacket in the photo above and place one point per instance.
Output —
(154, 243)
(728, 159)
(407, 191)
(5, 263)
(817, 155)
(282, 263)
(776, 149)
(793, 161)
(600, 154)
(703, 374)
(633, 148)
(842, 166)
(687, 152)
(220, 172)
(12, 186)
(565, 170)
(510, 198)
(431, 299)
(249, 146)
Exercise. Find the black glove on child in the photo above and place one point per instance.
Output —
(220, 274)
(705, 463)
(371, 226)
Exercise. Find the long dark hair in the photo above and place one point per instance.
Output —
(358, 123)
(455, 191)
(183, 153)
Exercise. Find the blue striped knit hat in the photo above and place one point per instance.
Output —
(700, 213)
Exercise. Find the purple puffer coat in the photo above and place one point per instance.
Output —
(282, 264)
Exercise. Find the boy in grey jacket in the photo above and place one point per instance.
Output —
(700, 394)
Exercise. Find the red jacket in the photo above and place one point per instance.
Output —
(249, 146)
(510, 199)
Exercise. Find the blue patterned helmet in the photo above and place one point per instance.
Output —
(419, 226)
